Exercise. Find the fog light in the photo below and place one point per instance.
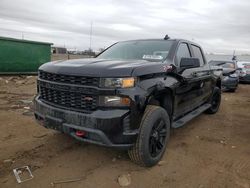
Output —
(114, 101)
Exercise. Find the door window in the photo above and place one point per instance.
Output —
(183, 51)
(198, 54)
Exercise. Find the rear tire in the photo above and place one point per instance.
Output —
(232, 90)
(153, 137)
(214, 101)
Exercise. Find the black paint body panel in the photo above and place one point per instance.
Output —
(189, 89)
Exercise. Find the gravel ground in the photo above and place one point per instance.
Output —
(210, 151)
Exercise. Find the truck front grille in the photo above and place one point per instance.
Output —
(67, 99)
(78, 80)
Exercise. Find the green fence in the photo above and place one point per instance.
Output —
(22, 56)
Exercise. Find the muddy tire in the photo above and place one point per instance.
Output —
(153, 137)
(214, 101)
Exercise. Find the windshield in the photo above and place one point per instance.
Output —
(223, 64)
(151, 50)
(228, 65)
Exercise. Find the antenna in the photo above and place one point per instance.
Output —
(90, 35)
(166, 37)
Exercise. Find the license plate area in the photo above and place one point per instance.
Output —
(53, 123)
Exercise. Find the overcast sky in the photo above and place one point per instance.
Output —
(218, 25)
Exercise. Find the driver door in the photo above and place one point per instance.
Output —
(186, 92)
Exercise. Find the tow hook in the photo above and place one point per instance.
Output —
(80, 133)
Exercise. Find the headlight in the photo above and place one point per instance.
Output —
(233, 75)
(117, 82)
(114, 101)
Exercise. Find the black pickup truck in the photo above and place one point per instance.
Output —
(129, 96)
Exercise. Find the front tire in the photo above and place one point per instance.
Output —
(153, 137)
(214, 101)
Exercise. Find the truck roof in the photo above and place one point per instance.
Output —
(155, 39)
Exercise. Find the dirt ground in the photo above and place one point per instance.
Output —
(210, 151)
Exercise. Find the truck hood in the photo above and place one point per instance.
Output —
(228, 71)
(96, 67)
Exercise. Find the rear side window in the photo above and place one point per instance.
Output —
(198, 54)
(183, 51)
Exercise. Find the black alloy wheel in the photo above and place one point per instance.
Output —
(152, 138)
(157, 138)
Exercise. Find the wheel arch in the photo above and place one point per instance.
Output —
(218, 83)
(163, 98)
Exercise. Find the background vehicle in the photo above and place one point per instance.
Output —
(244, 71)
(130, 95)
(230, 74)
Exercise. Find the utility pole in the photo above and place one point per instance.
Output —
(22, 36)
(90, 35)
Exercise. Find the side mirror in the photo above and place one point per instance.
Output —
(188, 63)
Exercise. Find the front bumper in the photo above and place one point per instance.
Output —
(230, 83)
(245, 79)
(103, 127)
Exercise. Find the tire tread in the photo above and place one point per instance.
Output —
(134, 152)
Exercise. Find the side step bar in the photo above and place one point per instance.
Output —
(180, 122)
